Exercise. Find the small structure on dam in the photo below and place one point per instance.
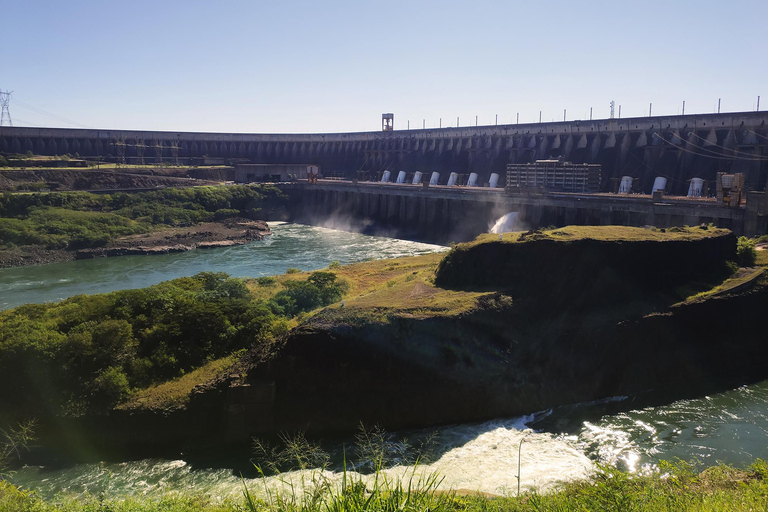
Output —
(729, 189)
(249, 173)
(554, 175)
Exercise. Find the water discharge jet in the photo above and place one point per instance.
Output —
(507, 223)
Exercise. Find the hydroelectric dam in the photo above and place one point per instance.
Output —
(678, 148)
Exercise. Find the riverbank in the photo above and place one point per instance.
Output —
(39, 228)
(225, 233)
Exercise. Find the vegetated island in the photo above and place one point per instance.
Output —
(40, 228)
(494, 328)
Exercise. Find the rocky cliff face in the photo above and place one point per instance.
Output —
(502, 360)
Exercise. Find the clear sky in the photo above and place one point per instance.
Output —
(326, 66)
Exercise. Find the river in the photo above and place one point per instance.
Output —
(560, 444)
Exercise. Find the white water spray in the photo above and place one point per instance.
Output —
(507, 223)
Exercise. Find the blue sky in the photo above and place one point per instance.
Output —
(310, 66)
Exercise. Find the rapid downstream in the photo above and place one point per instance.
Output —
(554, 445)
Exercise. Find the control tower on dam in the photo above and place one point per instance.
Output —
(678, 148)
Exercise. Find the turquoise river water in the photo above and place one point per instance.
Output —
(560, 444)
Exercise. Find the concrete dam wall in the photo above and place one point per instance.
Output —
(445, 214)
(676, 147)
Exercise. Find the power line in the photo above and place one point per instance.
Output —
(734, 151)
(719, 157)
(49, 114)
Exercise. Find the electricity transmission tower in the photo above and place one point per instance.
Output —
(5, 100)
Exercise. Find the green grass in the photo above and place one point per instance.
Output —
(742, 278)
(174, 394)
(605, 233)
(402, 286)
(677, 487)
(762, 258)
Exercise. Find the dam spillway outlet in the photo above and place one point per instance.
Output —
(696, 187)
(625, 187)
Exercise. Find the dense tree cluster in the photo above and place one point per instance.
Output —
(89, 352)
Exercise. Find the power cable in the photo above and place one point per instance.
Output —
(734, 151)
(720, 157)
(49, 114)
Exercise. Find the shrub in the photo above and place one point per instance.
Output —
(110, 387)
(745, 252)
(266, 281)
(225, 213)
(292, 271)
(320, 289)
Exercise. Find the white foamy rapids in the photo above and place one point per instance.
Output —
(484, 459)
(488, 462)
(507, 223)
(476, 458)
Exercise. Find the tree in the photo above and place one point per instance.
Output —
(745, 252)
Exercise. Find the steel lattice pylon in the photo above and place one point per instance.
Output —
(5, 100)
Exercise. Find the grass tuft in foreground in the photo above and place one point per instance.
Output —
(678, 486)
